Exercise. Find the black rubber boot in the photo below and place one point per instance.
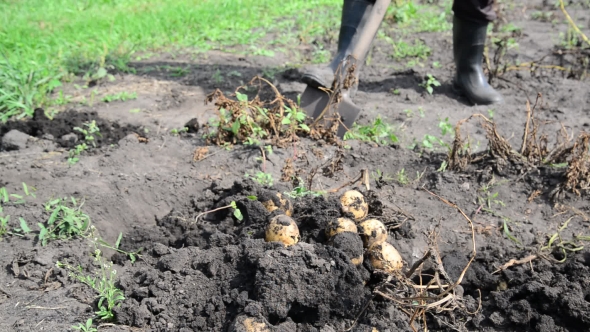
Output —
(468, 46)
(354, 14)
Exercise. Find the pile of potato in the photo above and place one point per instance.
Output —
(354, 232)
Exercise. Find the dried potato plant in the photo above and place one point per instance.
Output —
(536, 150)
(244, 121)
(418, 292)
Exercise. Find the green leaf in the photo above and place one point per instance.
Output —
(304, 127)
(233, 204)
(24, 226)
(508, 234)
(43, 234)
(286, 121)
(241, 96)
(235, 128)
(119, 240)
(252, 198)
(4, 194)
(238, 214)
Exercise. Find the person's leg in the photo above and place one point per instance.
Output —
(470, 23)
(353, 18)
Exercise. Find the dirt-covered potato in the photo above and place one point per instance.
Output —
(372, 232)
(273, 201)
(340, 225)
(282, 228)
(355, 204)
(351, 244)
(385, 257)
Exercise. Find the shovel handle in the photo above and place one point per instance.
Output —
(373, 22)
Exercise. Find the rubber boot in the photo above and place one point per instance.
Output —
(354, 15)
(468, 46)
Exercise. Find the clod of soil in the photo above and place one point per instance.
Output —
(351, 244)
(61, 130)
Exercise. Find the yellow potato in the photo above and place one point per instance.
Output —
(249, 324)
(354, 203)
(372, 232)
(282, 228)
(358, 260)
(340, 225)
(385, 257)
(273, 201)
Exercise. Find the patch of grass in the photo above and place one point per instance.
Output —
(22, 90)
(379, 132)
(412, 16)
(121, 96)
(14, 199)
(47, 40)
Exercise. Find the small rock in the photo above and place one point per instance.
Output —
(48, 137)
(15, 140)
(465, 186)
(70, 138)
(130, 139)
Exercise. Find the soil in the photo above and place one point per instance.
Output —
(217, 273)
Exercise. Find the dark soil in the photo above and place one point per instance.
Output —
(218, 274)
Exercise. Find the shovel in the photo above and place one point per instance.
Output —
(318, 103)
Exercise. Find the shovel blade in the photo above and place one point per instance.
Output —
(314, 101)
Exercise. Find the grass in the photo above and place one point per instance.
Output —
(46, 41)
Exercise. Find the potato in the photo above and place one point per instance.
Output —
(357, 260)
(372, 232)
(273, 201)
(355, 204)
(340, 225)
(249, 324)
(385, 257)
(282, 228)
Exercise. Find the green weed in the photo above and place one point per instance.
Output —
(103, 282)
(90, 130)
(300, 191)
(430, 83)
(67, 220)
(262, 178)
(379, 132)
(85, 327)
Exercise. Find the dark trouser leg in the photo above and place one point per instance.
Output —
(477, 11)
(470, 24)
(354, 13)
